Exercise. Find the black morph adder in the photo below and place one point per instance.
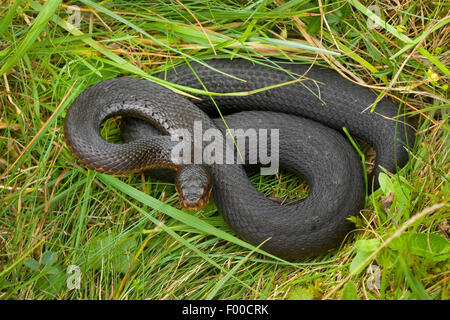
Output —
(309, 147)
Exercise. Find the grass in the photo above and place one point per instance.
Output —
(128, 236)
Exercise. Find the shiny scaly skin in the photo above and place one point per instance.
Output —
(327, 98)
(318, 153)
(142, 99)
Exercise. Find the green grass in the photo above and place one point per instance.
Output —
(128, 234)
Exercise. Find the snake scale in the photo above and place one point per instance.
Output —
(309, 114)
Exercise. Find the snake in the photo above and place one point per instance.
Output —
(309, 114)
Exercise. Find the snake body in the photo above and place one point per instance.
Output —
(307, 114)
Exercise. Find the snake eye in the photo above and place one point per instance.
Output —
(193, 184)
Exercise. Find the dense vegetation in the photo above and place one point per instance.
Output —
(126, 243)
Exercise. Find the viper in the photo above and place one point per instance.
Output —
(310, 115)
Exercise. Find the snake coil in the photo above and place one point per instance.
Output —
(308, 114)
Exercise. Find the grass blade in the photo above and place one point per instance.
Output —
(39, 24)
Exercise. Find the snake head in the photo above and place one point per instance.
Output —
(193, 184)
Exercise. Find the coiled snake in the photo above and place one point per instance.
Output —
(307, 114)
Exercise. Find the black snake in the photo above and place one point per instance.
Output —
(307, 114)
